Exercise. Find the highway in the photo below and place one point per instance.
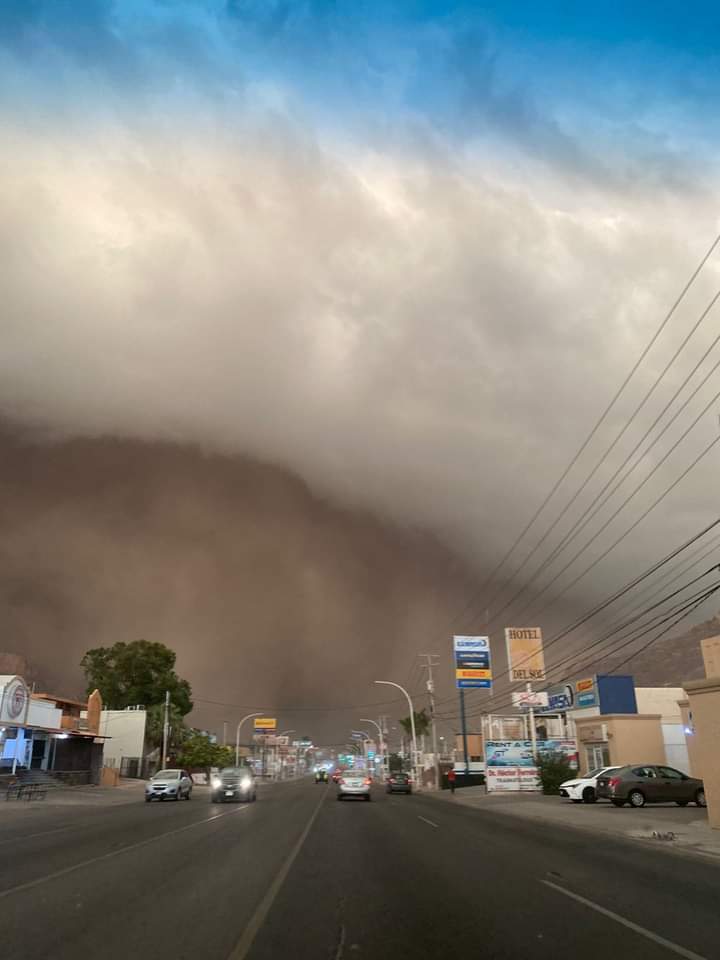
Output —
(300, 875)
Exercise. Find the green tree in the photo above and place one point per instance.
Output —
(179, 733)
(553, 769)
(199, 752)
(422, 723)
(140, 672)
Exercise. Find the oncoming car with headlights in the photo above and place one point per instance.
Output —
(233, 783)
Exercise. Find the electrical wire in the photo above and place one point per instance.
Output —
(584, 445)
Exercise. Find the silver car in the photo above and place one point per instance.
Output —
(354, 783)
(169, 785)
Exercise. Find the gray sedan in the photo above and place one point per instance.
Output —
(169, 785)
(643, 783)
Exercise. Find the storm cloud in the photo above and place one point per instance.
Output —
(420, 321)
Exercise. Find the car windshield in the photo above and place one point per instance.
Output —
(594, 773)
(235, 772)
(167, 775)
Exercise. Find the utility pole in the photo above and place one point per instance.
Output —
(463, 723)
(225, 725)
(431, 660)
(166, 728)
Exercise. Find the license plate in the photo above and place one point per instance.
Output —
(229, 793)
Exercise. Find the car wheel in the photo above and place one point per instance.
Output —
(681, 803)
(148, 799)
(575, 801)
(636, 798)
(368, 797)
(700, 798)
(588, 795)
(618, 803)
(339, 796)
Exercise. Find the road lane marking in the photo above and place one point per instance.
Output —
(44, 833)
(242, 947)
(425, 820)
(112, 853)
(655, 937)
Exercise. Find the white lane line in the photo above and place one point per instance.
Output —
(44, 833)
(113, 853)
(425, 820)
(242, 947)
(655, 937)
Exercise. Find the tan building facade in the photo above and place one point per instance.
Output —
(702, 713)
(616, 739)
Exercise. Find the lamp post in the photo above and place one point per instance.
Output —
(237, 736)
(277, 749)
(381, 742)
(391, 683)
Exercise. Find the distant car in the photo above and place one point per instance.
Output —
(399, 783)
(233, 784)
(169, 785)
(354, 784)
(321, 776)
(583, 789)
(638, 784)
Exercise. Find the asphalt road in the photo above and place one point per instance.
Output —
(300, 875)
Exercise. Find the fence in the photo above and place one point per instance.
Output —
(137, 768)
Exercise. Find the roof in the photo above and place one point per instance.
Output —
(57, 699)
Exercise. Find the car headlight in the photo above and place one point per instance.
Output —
(246, 783)
(215, 782)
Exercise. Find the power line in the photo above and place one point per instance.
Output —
(620, 592)
(668, 316)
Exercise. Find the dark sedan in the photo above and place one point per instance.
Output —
(399, 783)
(650, 783)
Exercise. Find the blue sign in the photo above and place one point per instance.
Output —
(472, 662)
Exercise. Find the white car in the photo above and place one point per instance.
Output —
(354, 783)
(582, 789)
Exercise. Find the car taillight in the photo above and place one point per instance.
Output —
(368, 781)
(340, 780)
(614, 781)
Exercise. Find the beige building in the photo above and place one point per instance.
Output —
(616, 739)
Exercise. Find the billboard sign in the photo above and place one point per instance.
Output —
(526, 661)
(472, 662)
(530, 698)
(265, 724)
(575, 695)
(14, 700)
(510, 764)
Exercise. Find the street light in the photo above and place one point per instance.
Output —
(381, 742)
(391, 683)
(237, 736)
(277, 748)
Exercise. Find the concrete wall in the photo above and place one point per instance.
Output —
(125, 730)
(662, 700)
(704, 720)
(44, 713)
(635, 738)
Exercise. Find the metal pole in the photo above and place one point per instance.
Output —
(381, 744)
(237, 736)
(431, 692)
(166, 724)
(533, 733)
(391, 683)
(225, 725)
(464, 736)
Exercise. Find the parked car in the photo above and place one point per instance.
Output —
(650, 783)
(584, 789)
(233, 783)
(169, 785)
(354, 784)
(399, 783)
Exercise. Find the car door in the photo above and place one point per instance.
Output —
(673, 785)
(644, 779)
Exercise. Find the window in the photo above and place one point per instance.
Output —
(670, 774)
(644, 773)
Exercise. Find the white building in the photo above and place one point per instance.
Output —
(664, 700)
(125, 732)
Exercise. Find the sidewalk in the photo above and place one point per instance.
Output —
(685, 828)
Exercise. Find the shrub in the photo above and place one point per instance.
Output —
(553, 769)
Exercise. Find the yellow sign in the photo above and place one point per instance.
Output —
(473, 674)
(582, 685)
(525, 654)
(265, 723)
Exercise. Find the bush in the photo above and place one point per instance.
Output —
(553, 769)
